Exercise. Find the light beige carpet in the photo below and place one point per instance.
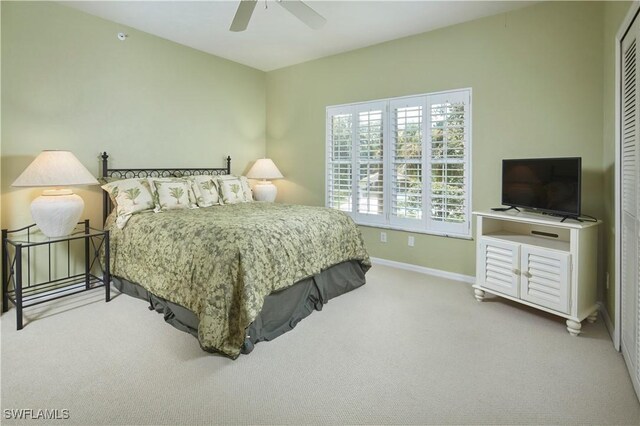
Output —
(404, 349)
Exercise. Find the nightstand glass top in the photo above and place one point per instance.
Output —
(31, 235)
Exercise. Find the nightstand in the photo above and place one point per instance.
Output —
(27, 280)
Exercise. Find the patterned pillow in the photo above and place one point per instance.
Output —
(130, 196)
(205, 188)
(172, 193)
(246, 188)
(232, 190)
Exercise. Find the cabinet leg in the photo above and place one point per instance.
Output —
(574, 327)
(479, 294)
(593, 317)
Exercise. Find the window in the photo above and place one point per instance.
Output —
(403, 163)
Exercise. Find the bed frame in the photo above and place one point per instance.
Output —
(281, 310)
(143, 173)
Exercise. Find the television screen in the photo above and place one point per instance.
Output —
(550, 185)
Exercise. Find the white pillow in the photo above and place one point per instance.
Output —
(246, 188)
(172, 193)
(130, 196)
(232, 190)
(205, 188)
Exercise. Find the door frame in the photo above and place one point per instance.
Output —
(622, 31)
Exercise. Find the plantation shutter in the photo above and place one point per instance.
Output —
(407, 119)
(369, 165)
(448, 154)
(339, 191)
(403, 163)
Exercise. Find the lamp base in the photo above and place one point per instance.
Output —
(265, 191)
(56, 212)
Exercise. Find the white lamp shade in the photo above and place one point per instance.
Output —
(56, 212)
(55, 168)
(264, 168)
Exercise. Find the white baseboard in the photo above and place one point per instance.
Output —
(424, 270)
(604, 313)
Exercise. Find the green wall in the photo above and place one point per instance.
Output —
(536, 75)
(69, 83)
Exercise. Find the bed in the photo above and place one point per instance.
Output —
(237, 274)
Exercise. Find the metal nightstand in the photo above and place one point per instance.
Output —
(18, 259)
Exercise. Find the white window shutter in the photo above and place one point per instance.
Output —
(448, 161)
(339, 184)
(407, 192)
(369, 150)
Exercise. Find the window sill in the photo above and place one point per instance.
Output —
(417, 231)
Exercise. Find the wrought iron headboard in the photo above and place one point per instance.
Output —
(142, 173)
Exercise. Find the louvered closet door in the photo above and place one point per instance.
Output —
(545, 278)
(630, 220)
(499, 266)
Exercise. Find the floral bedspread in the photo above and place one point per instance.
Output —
(220, 262)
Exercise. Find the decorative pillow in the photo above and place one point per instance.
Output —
(205, 188)
(172, 193)
(246, 188)
(130, 196)
(231, 190)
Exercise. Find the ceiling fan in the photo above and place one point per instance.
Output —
(296, 7)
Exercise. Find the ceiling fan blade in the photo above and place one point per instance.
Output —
(304, 13)
(243, 15)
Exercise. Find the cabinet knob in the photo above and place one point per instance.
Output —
(527, 274)
(516, 271)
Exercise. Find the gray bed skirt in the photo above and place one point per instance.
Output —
(281, 310)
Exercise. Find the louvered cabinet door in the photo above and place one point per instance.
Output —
(499, 266)
(545, 278)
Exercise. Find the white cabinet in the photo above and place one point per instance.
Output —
(539, 261)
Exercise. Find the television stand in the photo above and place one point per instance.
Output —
(539, 261)
(505, 209)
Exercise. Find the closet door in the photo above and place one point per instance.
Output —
(630, 201)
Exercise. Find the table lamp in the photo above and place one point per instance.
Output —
(56, 211)
(264, 169)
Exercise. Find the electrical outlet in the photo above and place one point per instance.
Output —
(383, 237)
(411, 241)
(607, 282)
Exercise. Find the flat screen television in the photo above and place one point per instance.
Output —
(547, 185)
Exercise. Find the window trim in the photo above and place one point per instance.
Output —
(387, 220)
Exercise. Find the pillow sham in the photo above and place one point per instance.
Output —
(246, 188)
(205, 188)
(130, 196)
(232, 190)
(172, 193)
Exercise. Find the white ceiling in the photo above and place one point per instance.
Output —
(275, 38)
